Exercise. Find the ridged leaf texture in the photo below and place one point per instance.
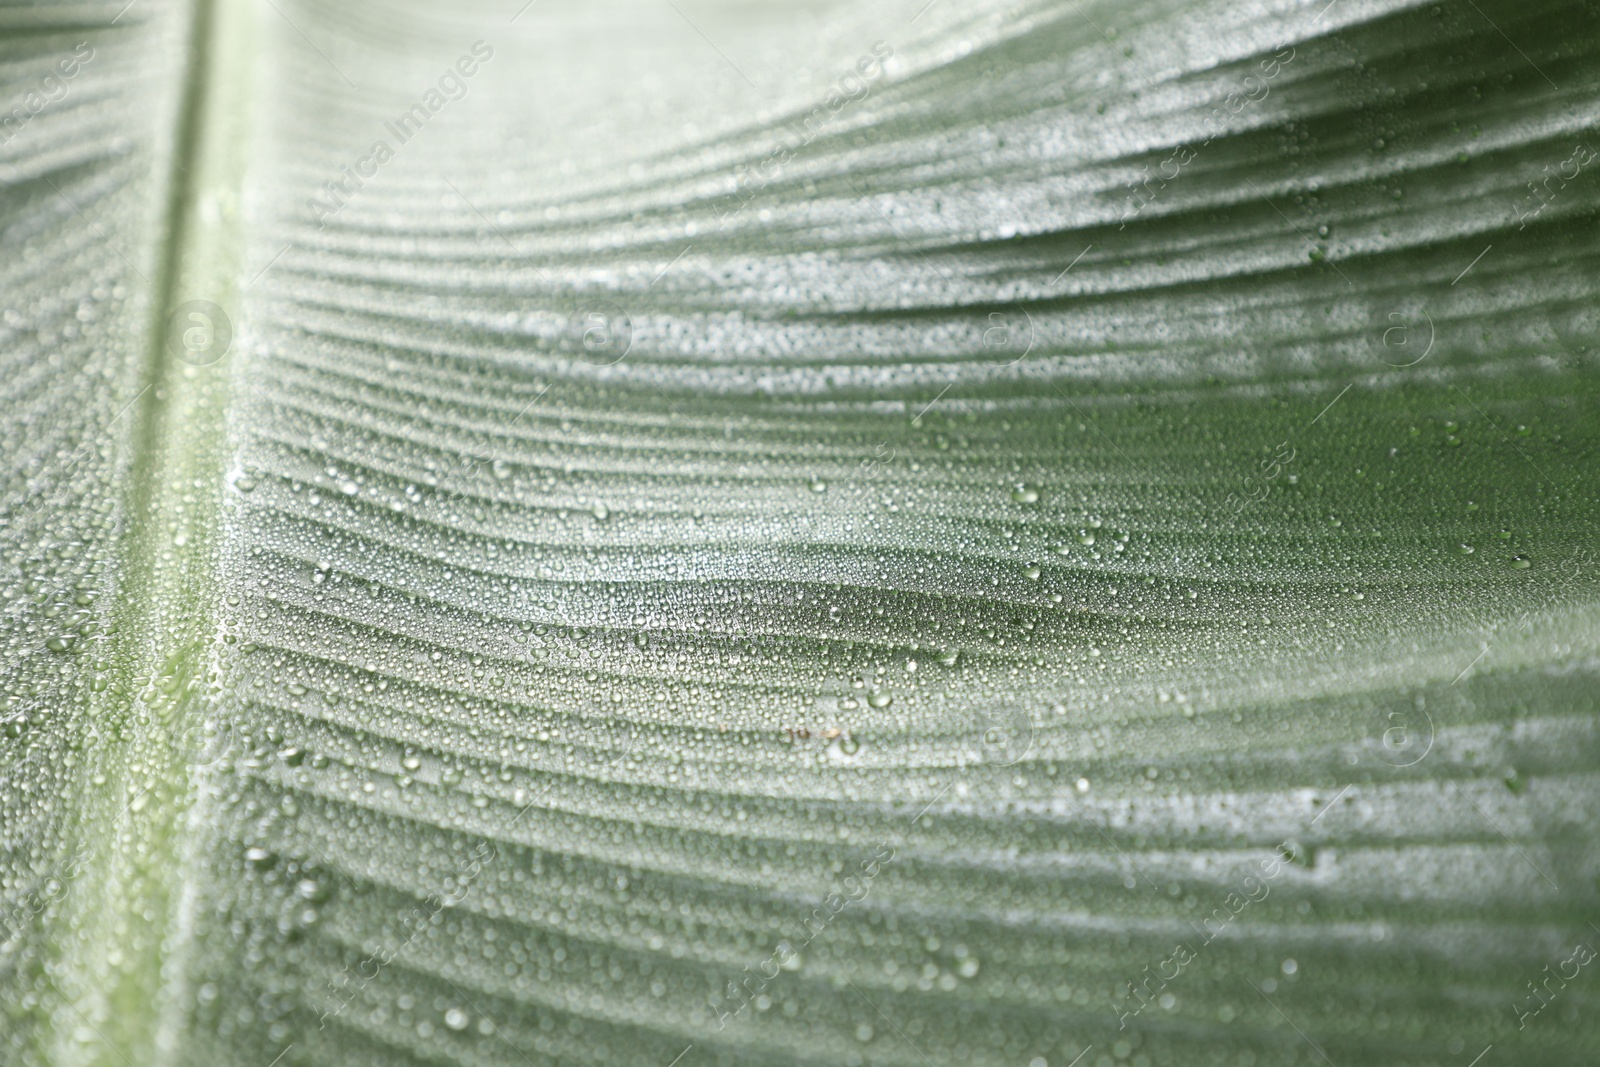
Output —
(662, 532)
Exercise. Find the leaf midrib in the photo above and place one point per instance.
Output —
(128, 910)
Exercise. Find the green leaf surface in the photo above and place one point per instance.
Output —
(684, 533)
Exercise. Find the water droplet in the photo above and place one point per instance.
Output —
(1023, 494)
(1521, 562)
(456, 1019)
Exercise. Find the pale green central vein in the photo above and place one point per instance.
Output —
(129, 909)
